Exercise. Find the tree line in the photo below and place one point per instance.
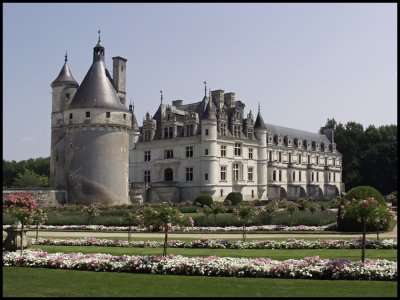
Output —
(33, 172)
(369, 155)
(369, 158)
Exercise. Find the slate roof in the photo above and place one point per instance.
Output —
(296, 133)
(65, 76)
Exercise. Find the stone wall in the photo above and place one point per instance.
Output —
(44, 197)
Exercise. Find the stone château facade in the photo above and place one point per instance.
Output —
(209, 147)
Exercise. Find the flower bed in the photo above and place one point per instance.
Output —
(225, 244)
(307, 268)
(182, 228)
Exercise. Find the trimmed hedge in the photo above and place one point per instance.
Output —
(204, 200)
(234, 197)
(359, 193)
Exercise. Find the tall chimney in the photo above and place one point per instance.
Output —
(119, 77)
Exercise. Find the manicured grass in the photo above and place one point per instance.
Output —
(279, 254)
(38, 282)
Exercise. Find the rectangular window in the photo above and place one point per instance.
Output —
(236, 171)
(299, 159)
(280, 156)
(168, 132)
(238, 149)
(147, 155)
(236, 130)
(299, 175)
(333, 161)
(206, 132)
(88, 114)
(67, 96)
(124, 115)
(205, 151)
(250, 153)
(206, 176)
(308, 159)
(270, 155)
(317, 176)
(146, 176)
(189, 129)
(189, 174)
(223, 129)
(334, 177)
(317, 161)
(108, 114)
(223, 173)
(147, 135)
(280, 175)
(70, 116)
(250, 174)
(223, 151)
(290, 158)
(189, 151)
(168, 153)
(326, 161)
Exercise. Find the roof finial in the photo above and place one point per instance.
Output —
(66, 56)
(205, 89)
(161, 96)
(258, 107)
(99, 35)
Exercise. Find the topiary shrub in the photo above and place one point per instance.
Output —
(234, 197)
(203, 200)
(358, 193)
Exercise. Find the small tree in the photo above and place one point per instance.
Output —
(364, 211)
(381, 216)
(91, 211)
(132, 218)
(203, 200)
(163, 217)
(206, 210)
(313, 207)
(20, 207)
(245, 212)
(39, 217)
(30, 179)
(290, 207)
(216, 209)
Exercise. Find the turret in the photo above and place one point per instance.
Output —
(209, 147)
(64, 88)
(260, 131)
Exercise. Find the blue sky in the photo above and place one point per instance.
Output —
(304, 63)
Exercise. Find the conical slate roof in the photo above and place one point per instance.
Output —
(210, 113)
(259, 124)
(64, 77)
(97, 89)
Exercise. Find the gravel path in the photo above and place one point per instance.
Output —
(390, 234)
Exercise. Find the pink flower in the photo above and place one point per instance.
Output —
(364, 203)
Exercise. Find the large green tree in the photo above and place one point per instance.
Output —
(29, 179)
(369, 156)
(40, 166)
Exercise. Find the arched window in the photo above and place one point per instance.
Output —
(168, 175)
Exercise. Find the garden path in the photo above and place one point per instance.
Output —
(389, 234)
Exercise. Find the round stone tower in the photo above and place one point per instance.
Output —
(97, 126)
(64, 88)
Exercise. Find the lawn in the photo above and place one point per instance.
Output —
(277, 254)
(30, 282)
